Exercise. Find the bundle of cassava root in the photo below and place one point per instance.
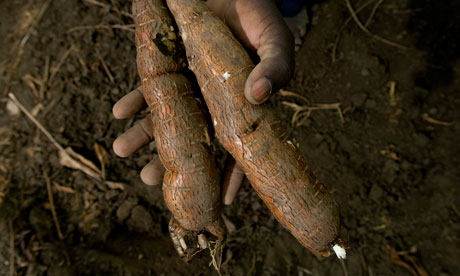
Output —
(191, 183)
(252, 134)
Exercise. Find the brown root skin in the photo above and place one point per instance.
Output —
(191, 185)
(253, 134)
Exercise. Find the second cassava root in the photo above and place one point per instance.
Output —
(191, 183)
(252, 134)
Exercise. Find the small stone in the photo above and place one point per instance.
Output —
(12, 108)
(389, 171)
(421, 92)
(405, 165)
(365, 72)
(124, 86)
(370, 104)
(376, 192)
(317, 138)
(125, 209)
(421, 140)
(432, 111)
(71, 68)
(115, 91)
(109, 195)
(140, 219)
(255, 205)
(361, 230)
(358, 99)
(319, 72)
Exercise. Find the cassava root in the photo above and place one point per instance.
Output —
(253, 134)
(191, 183)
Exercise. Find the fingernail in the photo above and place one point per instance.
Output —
(261, 89)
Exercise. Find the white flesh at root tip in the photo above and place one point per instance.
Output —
(339, 251)
(226, 76)
(202, 241)
(183, 244)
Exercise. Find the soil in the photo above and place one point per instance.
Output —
(393, 164)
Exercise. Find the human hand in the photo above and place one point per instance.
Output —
(141, 134)
(260, 27)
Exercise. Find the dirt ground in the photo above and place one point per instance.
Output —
(393, 164)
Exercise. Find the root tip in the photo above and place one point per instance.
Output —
(339, 251)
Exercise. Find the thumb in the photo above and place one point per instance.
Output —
(276, 66)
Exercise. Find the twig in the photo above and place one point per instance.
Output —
(31, 81)
(37, 123)
(454, 207)
(428, 119)
(22, 44)
(106, 69)
(344, 267)
(129, 27)
(348, 20)
(97, 3)
(287, 93)
(301, 113)
(37, 19)
(363, 263)
(108, 7)
(366, 30)
(46, 74)
(253, 264)
(407, 11)
(374, 9)
(391, 93)
(53, 208)
(64, 189)
(11, 230)
(304, 270)
(61, 61)
(215, 250)
(82, 63)
(305, 111)
(67, 157)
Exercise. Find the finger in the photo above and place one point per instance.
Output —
(276, 66)
(134, 138)
(152, 173)
(232, 180)
(129, 105)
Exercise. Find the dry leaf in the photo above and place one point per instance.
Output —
(427, 118)
(5, 134)
(71, 159)
(64, 189)
(391, 93)
(115, 185)
(83, 160)
(406, 261)
(102, 156)
(12, 108)
(30, 81)
(36, 109)
(3, 185)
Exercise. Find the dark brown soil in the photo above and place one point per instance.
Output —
(392, 167)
